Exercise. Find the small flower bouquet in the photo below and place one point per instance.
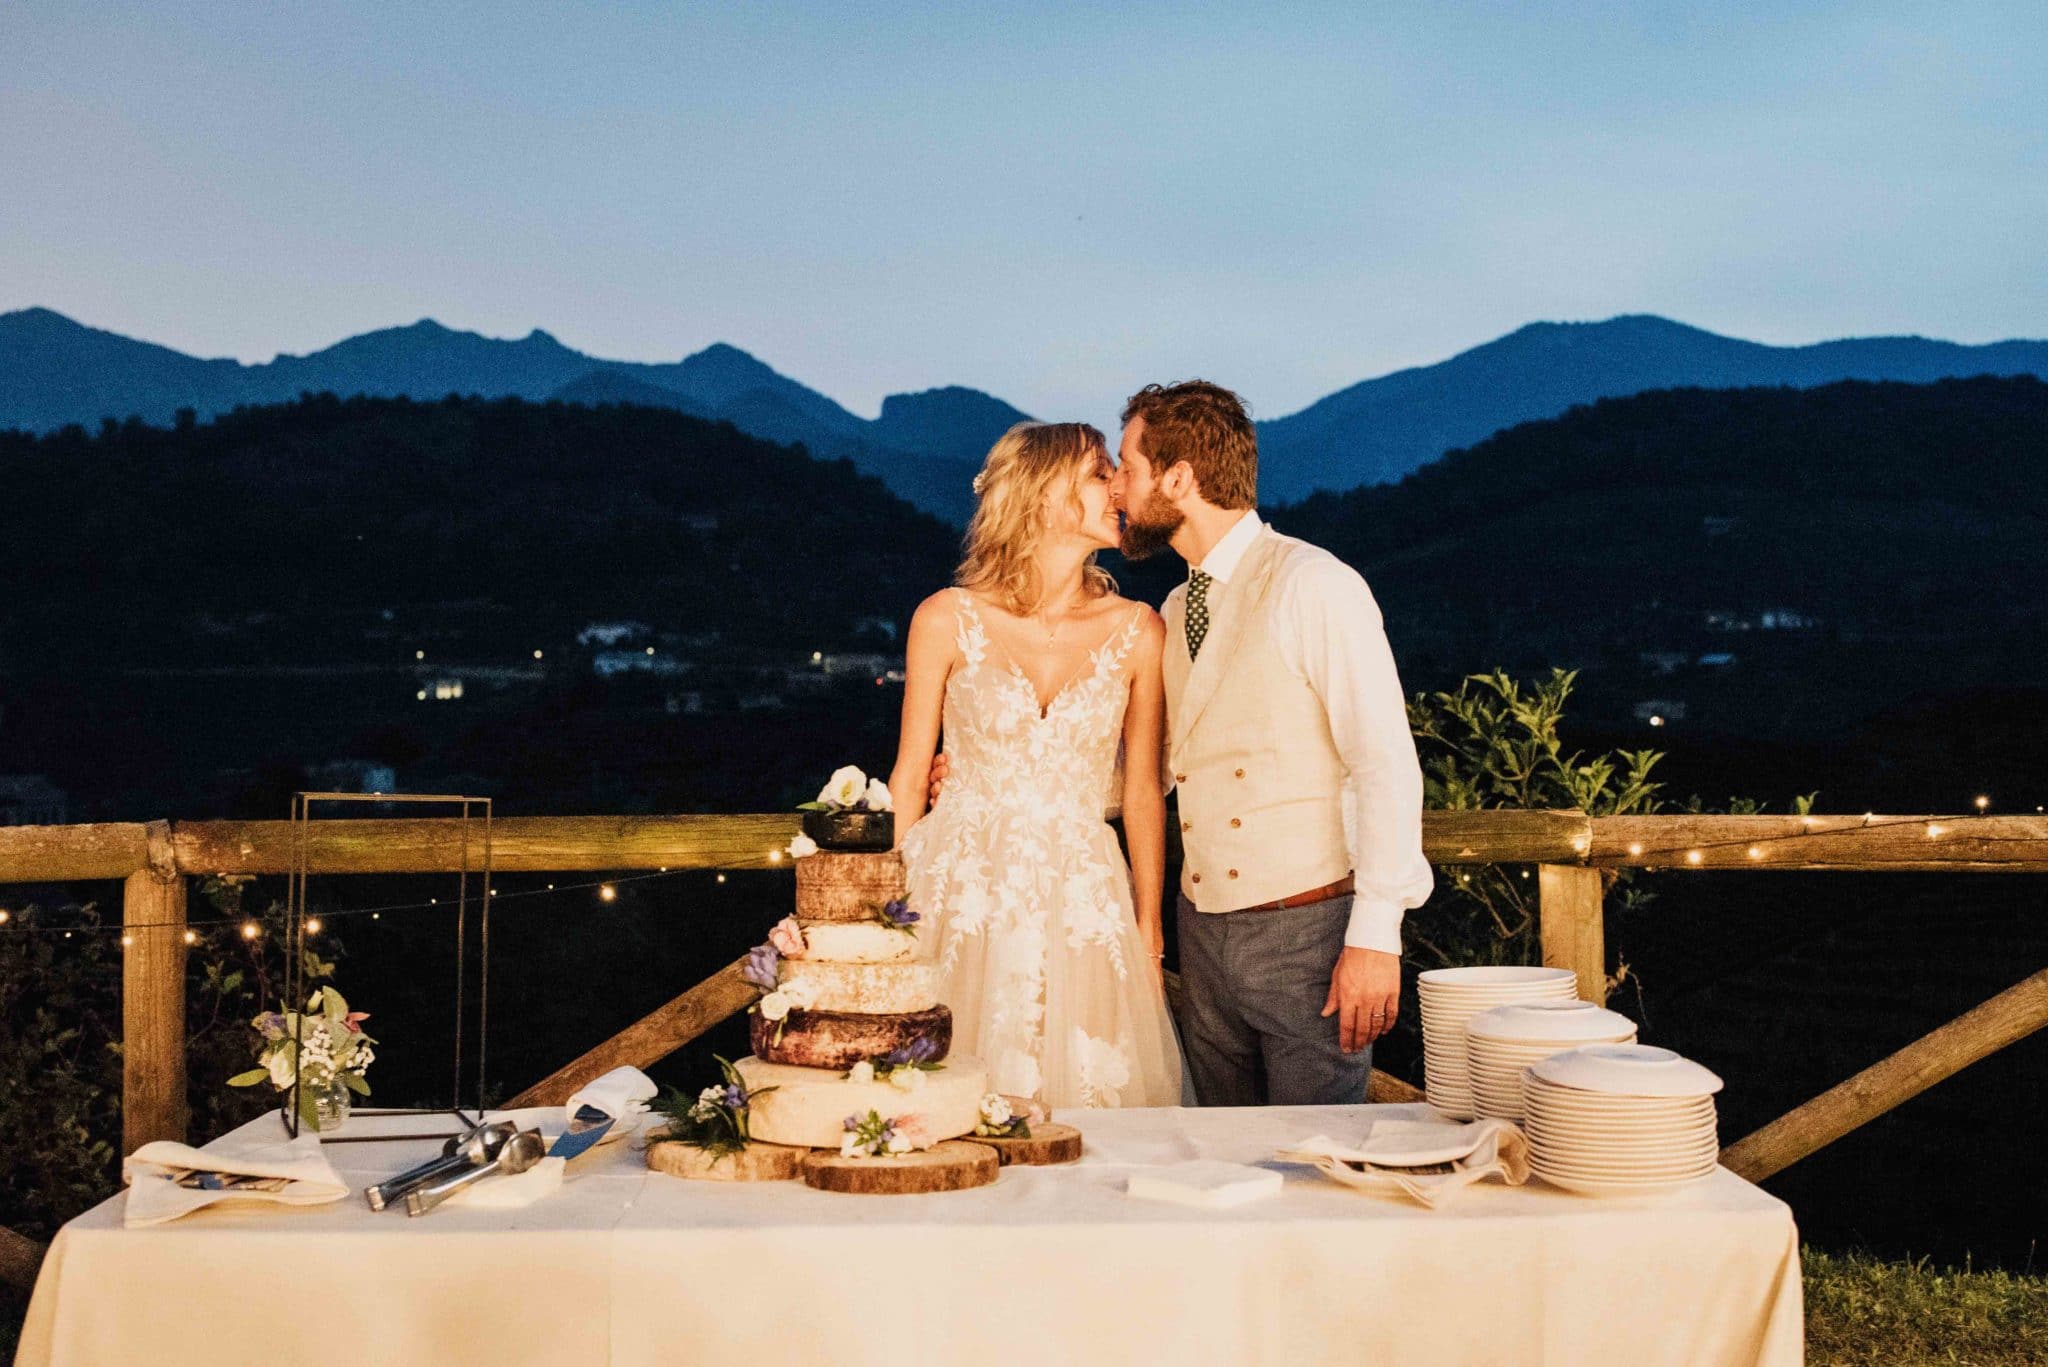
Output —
(870, 1136)
(323, 1049)
(998, 1121)
(851, 812)
(897, 915)
(716, 1121)
(903, 1068)
(763, 968)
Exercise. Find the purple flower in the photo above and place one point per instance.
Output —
(852, 1123)
(898, 913)
(736, 1097)
(271, 1024)
(760, 967)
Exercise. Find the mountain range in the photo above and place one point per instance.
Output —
(927, 446)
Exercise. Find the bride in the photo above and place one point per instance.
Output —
(1038, 673)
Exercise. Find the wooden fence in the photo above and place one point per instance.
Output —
(1574, 854)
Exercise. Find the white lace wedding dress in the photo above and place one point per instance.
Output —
(1021, 879)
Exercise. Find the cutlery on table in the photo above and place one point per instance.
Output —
(516, 1155)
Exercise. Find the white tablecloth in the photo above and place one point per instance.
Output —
(1046, 1265)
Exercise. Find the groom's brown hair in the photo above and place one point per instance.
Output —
(1205, 425)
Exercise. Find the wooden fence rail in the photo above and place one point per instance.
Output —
(1570, 849)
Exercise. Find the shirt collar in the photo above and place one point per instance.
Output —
(1221, 562)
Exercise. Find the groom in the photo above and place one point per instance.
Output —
(1287, 736)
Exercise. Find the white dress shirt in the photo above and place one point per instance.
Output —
(1330, 635)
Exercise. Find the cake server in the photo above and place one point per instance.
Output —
(586, 1127)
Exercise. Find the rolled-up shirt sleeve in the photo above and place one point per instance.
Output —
(1335, 639)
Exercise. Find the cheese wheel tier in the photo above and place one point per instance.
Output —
(857, 942)
(809, 1106)
(839, 886)
(872, 989)
(840, 1039)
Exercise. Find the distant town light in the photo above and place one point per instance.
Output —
(419, 654)
(650, 650)
(1656, 720)
(817, 657)
(421, 695)
(536, 654)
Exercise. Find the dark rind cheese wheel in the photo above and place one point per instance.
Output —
(836, 886)
(840, 1039)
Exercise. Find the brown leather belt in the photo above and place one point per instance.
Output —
(1301, 899)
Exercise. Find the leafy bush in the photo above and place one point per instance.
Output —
(60, 1043)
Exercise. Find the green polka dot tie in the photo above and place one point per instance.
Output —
(1198, 611)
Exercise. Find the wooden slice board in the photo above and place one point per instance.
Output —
(953, 1165)
(1048, 1144)
(757, 1162)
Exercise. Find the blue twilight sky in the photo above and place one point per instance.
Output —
(1050, 202)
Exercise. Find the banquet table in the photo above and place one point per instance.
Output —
(1057, 1264)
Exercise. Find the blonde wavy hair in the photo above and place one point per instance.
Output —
(1028, 471)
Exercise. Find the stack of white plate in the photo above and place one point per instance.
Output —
(1620, 1120)
(1451, 996)
(1501, 1043)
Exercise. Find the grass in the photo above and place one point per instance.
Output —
(1863, 1310)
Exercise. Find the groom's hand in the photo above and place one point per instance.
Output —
(1365, 995)
(937, 778)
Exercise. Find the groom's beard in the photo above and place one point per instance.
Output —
(1149, 530)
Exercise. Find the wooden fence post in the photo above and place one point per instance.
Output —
(153, 999)
(1982, 1030)
(1570, 903)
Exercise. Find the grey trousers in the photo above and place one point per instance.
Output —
(1253, 985)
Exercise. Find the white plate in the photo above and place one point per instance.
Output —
(1621, 1155)
(1583, 1187)
(1547, 1022)
(551, 1121)
(1495, 975)
(1632, 1177)
(1628, 1070)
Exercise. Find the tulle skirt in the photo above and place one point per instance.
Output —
(1039, 953)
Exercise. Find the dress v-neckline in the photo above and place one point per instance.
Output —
(1088, 668)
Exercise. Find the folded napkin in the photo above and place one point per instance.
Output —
(1424, 1162)
(511, 1191)
(152, 1172)
(622, 1094)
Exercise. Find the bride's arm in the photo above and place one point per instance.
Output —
(1144, 796)
(928, 658)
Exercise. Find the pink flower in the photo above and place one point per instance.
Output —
(911, 1128)
(788, 938)
(354, 1021)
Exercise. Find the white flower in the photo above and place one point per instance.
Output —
(711, 1095)
(907, 1079)
(994, 1109)
(878, 796)
(898, 1143)
(802, 846)
(775, 1006)
(861, 1072)
(280, 1065)
(845, 788)
(849, 1145)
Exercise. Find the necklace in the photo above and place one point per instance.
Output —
(1052, 631)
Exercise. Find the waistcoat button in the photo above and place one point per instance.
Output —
(1189, 825)
(1235, 823)
(1180, 778)
(1233, 873)
(1198, 878)
(1240, 773)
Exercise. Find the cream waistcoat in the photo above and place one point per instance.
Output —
(1248, 745)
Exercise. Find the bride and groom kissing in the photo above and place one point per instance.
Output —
(1265, 693)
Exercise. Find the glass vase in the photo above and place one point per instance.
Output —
(325, 1108)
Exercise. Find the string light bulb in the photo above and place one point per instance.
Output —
(1695, 857)
(5, 916)
(1635, 847)
(1755, 852)
(312, 925)
(775, 856)
(1983, 802)
(721, 878)
(191, 937)
(127, 940)
(250, 930)
(1935, 832)
(607, 893)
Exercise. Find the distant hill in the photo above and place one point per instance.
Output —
(54, 371)
(324, 511)
(1903, 521)
(1377, 431)
(926, 446)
